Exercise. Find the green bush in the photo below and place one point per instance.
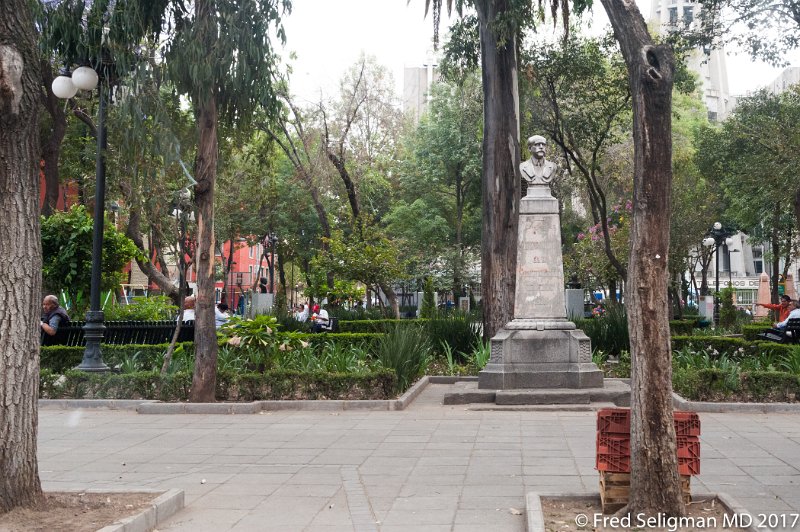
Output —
(715, 384)
(456, 330)
(372, 326)
(428, 309)
(730, 346)
(682, 327)
(727, 311)
(751, 332)
(378, 384)
(608, 332)
(152, 308)
(59, 358)
(406, 351)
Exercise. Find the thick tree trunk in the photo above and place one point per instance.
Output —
(387, 289)
(51, 150)
(501, 158)
(20, 257)
(655, 483)
(205, 332)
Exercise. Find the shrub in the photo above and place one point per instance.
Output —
(406, 351)
(681, 327)
(378, 384)
(152, 308)
(428, 309)
(608, 332)
(455, 330)
(727, 311)
(372, 326)
(751, 332)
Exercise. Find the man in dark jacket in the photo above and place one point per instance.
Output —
(53, 316)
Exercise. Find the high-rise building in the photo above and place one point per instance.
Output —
(417, 83)
(709, 63)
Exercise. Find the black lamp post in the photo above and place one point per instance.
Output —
(87, 78)
(717, 237)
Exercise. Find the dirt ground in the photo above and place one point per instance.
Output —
(75, 512)
(567, 515)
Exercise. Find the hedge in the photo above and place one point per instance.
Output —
(274, 385)
(717, 385)
(751, 332)
(731, 346)
(682, 327)
(374, 326)
(59, 358)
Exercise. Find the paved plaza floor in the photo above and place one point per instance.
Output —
(429, 467)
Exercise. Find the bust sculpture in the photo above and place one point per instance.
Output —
(537, 170)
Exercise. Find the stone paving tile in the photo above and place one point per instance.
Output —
(286, 469)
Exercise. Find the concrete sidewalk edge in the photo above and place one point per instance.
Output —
(161, 508)
(534, 513)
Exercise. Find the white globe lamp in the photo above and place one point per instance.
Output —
(85, 78)
(64, 88)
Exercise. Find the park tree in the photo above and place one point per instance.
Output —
(437, 212)
(67, 255)
(22, 258)
(224, 91)
(753, 156)
(359, 138)
(577, 93)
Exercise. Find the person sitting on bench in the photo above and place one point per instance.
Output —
(782, 309)
(794, 314)
(322, 322)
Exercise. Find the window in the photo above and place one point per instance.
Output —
(746, 297)
(673, 16)
(758, 259)
(250, 252)
(688, 16)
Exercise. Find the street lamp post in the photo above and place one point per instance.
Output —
(86, 78)
(717, 237)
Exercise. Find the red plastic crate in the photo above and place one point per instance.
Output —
(613, 463)
(614, 444)
(689, 466)
(688, 447)
(614, 421)
(687, 424)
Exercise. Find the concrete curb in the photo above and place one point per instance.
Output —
(254, 407)
(111, 404)
(535, 515)
(728, 408)
(162, 508)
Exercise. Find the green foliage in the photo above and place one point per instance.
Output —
(751, 332)
(681, 327)
(276, 385)
(67, 254)
(717, 384)
(727, 311)
(456, 330)
(374, 326)
(428, 309)
(367, 256)
(609, 331)
(152, 308)
(406, 351)
(256, 332)
(481, 354)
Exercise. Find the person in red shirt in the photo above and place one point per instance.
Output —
(783, 308)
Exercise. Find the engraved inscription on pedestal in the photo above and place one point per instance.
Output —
(496, 356)
(540, 277)
(585, 354)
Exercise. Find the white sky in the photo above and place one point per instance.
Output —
(329, 36)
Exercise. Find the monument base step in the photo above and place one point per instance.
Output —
(614, 391)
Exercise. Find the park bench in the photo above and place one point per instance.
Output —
(791, 333)
(123, 333)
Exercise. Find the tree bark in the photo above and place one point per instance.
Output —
(21, 252)
(51, 150)
(501, 158)
(655, 483)
(133, 231)
(205, 332)
(387, 289)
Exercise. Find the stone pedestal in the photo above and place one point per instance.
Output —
(540, 347)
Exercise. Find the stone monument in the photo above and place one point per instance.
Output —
(540, 347)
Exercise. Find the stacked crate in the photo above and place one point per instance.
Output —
(614, 453)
